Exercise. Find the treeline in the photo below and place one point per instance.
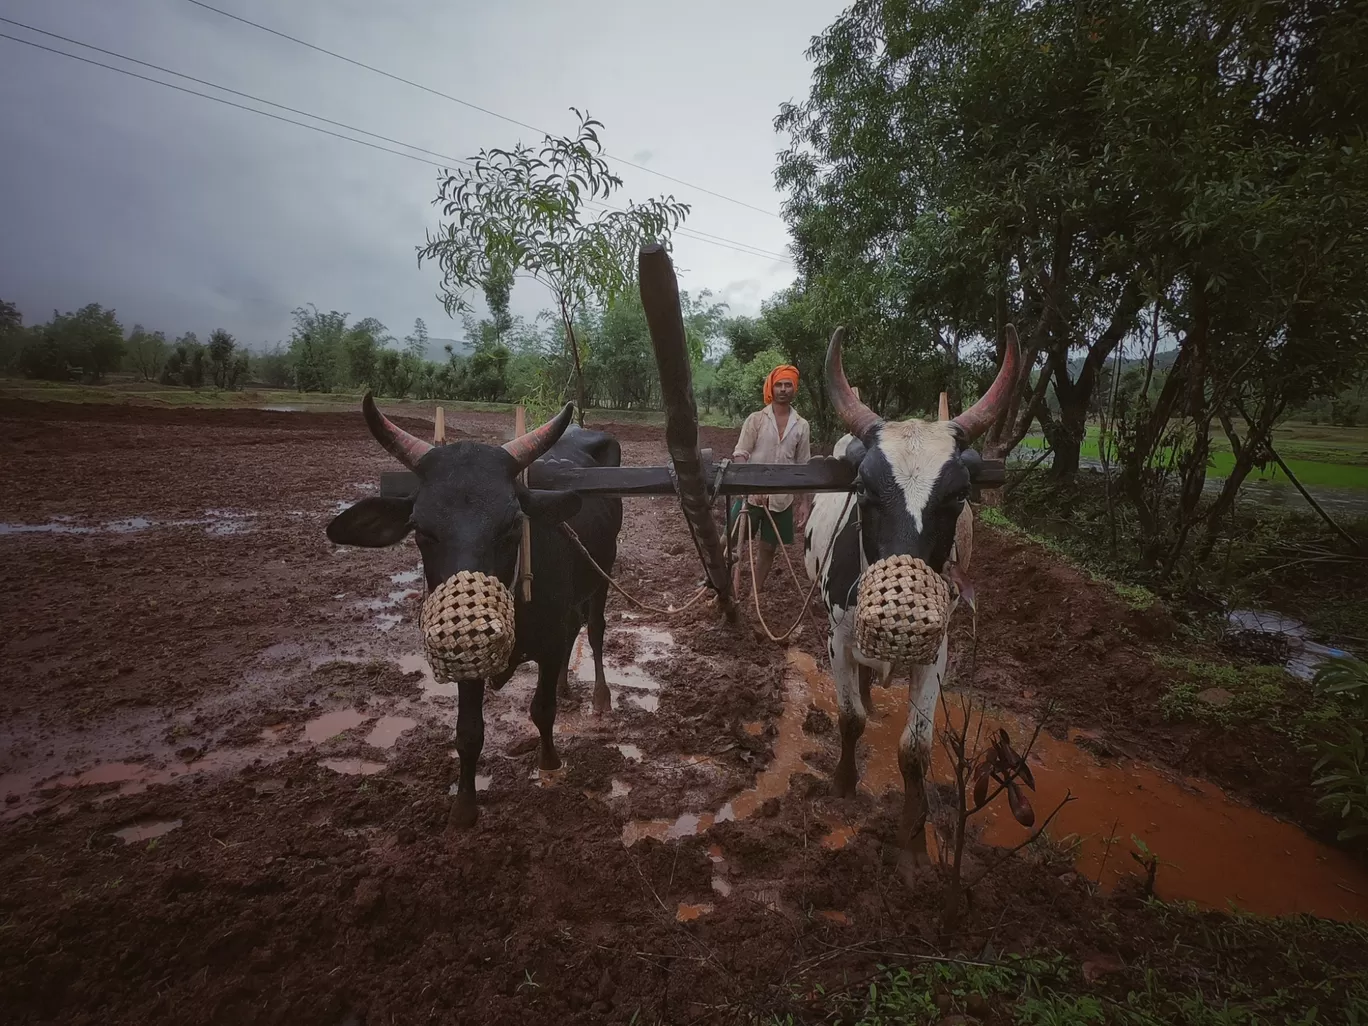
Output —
(1113, 179)
(89, 344)
(503, 359)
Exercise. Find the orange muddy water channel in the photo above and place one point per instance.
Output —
(1214, 851)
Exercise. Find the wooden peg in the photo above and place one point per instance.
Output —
(945, 406)
(439, 427)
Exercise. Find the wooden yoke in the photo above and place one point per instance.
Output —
(660, 298)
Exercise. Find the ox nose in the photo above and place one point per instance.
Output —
(468, 624)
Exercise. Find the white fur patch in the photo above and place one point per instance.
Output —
(916, 451)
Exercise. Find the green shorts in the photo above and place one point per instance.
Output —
(760, 525)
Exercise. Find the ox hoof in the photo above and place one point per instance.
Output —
(603, 700)
(464, 812)
(549, 760)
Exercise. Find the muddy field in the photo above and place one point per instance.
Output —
(225, 767)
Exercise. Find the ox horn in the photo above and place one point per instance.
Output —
(404, 447)
(859, 419)
(979, 417)
(528, 448)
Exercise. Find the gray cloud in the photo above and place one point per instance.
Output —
(184, 214)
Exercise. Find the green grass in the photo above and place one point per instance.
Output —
(1135, 596)
(1319, 455)
(1168, 984)
(1256, 692)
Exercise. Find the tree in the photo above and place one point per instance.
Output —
(316, 350)
(12, 336)
(946, 167)
(417, 343)
(527, 210)
(222, 348)
(360, 346)
(273, 367)
(1195, 166)
(90, 341)
(185, 363)
(498, 289)
(147, 352)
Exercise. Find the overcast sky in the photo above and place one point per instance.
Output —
(184, 214)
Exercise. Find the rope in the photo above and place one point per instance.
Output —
(755, 590)
(569, 532)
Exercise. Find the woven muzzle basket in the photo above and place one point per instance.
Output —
(468, 627)
(902, 612)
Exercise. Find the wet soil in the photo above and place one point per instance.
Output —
(225, 770)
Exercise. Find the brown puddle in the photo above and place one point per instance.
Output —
(1215, 851)
(687, 913)
(132, 778)
(146, 830)
(629, 682)
(330, 724)
(387, 730)
(353, 767)
(771, 782)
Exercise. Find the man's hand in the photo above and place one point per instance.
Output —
(800, 516)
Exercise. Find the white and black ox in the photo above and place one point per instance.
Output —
(467, 514)
(911, 487)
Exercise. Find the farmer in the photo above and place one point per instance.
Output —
(776, 434)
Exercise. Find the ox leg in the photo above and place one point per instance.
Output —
(563, 680)
(850, 715)
(914, 755)
(866, 681)
(598, 624)
(469, 742)
(572, 629)
(544, 710)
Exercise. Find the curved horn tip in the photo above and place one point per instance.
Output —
(859, 419)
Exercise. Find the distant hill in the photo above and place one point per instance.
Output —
(436, 350)
(1163, 360)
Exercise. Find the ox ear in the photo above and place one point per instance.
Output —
(549, 507)
(972, 461)
(373, 523)
(854, 453)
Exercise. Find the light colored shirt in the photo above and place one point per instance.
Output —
(760, 442)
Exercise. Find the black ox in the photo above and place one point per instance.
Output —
(467, 514)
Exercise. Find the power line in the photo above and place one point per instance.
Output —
(732, 244)
(465, 103)
(216, 99)
(214, 85)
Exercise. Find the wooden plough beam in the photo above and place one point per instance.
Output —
(692, 475)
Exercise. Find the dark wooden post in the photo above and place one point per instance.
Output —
(660, 297)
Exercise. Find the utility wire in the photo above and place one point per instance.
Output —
(695, 234)
(465, 103)
(215, 85)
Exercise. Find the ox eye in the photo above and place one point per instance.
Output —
(959, 496)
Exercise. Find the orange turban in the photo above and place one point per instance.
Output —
(784, 372)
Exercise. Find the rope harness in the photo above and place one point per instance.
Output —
(569, 532)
